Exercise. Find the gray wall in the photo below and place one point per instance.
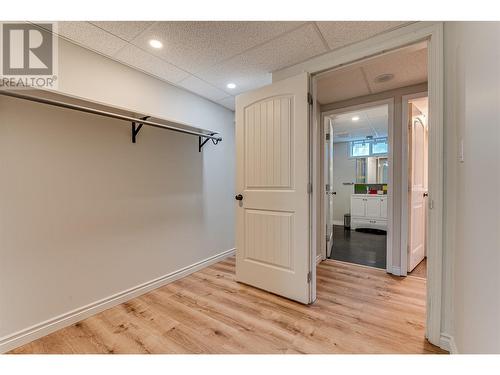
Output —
(397, 139)
(84, 213)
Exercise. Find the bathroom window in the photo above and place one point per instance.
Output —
(379, 146)
(368, 147)
(360, 148)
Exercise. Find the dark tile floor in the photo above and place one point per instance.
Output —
(357, 247)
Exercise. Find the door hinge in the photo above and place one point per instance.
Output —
(309, 98)
(309, 276)
(309, 188)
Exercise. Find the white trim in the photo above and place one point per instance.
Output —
(404, 178)
(394, 270)
(313, 177)
(44, 328)
(435, 184)
(390, 183)
(337, 222)
(447, 342)
(417, 32)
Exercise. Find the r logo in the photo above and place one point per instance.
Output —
(27, 49)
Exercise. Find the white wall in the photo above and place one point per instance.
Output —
(344, 170)
(472, 205)
(84, 213)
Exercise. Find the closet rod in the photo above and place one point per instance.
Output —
(56, 103)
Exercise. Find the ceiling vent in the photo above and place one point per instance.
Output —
(384, 78)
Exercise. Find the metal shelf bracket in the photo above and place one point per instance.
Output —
(135, 129)
(203, 140)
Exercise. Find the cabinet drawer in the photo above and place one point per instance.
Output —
(361, 222)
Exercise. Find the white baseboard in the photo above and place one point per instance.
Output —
(447, 342)
(338, 222)
(44, 328)
(319, 258)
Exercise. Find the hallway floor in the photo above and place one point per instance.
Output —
(356, 247)
(358, 310)
(420, 270)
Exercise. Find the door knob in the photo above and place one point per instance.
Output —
(426, 195)
(239, 197)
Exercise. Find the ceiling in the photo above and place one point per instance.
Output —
(203, 57)
(408, 65)
(372, 122)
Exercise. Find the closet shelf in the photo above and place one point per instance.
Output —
(203, 135)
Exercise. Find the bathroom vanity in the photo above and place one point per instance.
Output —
(369, 211)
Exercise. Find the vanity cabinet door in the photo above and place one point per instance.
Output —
(358, 206)
(383, 208)
(373, 207)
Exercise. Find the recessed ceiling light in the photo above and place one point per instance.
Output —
(155, 43)
(231, 85)
(355, 118)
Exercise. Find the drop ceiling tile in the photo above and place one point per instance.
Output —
(253, 68)
(202, 88)
(408, 65)
(341, 33)
(91, 37)
(408, 69)
(227, 102)
(195, 46)
(347, 83)
(127, 30)
(148, 63)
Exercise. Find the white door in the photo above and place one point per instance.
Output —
(272, 175)
(418, 191)
(373, 207)
(330, 189)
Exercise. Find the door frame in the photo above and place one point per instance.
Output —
(390, 139)
(404, 180)
(418, 32)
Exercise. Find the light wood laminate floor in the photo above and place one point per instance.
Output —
(420, 270)
(358, 310)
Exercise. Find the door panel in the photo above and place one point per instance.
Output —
(358, 206)
(418, 182)
(383, 208)
(272, 152)
(373, 207)
(330, 195)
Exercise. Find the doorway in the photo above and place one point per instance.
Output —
(357, 176)
(311, 175)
